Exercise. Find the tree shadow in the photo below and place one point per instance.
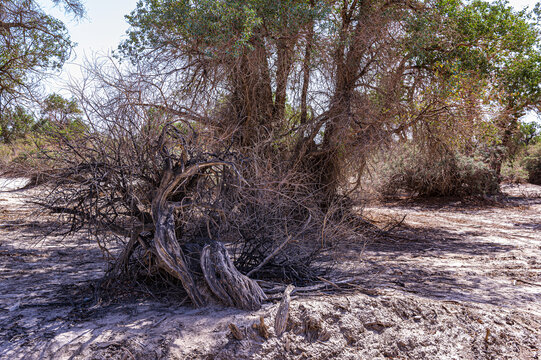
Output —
(46, 290)
(529, 225)
(508, 198)
(439, 264)
(49, 307)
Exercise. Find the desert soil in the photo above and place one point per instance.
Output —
(453, 281)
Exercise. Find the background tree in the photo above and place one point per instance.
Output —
(530, 133)
(59, 112)
(483, 57)
(31, 44)
(15, 123)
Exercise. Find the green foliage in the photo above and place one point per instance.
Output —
(59, 114)
(31, 43)
(513, 171)
(15, 123)
(60, 110)
(24, 138)
(488, 40)
(530, 133)
(210, 28)
(477, 55)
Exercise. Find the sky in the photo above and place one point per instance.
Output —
(104, 27)
(98, 33)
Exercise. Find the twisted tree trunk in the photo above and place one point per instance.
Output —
(220, 275)
(167, 246)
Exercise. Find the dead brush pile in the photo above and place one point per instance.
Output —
(187, 210)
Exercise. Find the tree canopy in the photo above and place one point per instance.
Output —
(351, 70)
(15, 123)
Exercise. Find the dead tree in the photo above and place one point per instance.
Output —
(181, 198)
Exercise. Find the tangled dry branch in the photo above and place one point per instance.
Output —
(181, 204)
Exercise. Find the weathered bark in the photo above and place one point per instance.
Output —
(306, 64)
(285, 46)
(280, 322)
(351, 65)
(121, 264)
(262, 328)
(252, 96)
(508, 127)
(226, 282)
(236, 332)
(165, 240)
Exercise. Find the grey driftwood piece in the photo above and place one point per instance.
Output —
(226, 282)
(280, 322)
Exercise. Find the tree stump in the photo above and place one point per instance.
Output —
(171, 255)
(226, 282)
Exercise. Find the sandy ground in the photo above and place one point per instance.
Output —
(453, 281)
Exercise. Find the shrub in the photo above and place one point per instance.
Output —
(532, 163)
(15, 123)
(426, 175)
(18, 156)
(514, 172)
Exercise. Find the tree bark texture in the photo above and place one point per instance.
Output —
(220, 275)
(226, 282)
